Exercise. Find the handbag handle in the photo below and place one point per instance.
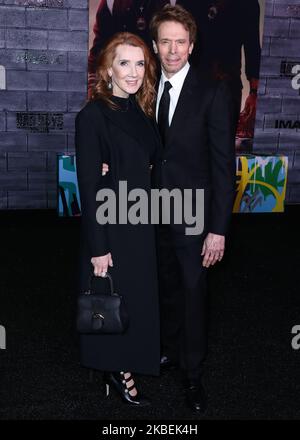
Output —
(107, 275)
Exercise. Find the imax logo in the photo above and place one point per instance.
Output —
(288, 124)
(2, 338)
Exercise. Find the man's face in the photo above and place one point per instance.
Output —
(173, 47)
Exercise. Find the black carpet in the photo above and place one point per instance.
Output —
(252, 370)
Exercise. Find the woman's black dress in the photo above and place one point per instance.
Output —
(128, 141)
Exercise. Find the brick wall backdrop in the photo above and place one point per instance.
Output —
(43, 46)
(278, 100)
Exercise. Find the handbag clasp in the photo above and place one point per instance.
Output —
(98, 316)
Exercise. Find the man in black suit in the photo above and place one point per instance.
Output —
(195, 118)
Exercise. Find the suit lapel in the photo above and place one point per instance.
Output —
(152, 124)
(183, 108)
(117, 118)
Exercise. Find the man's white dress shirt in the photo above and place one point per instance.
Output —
(176, 81)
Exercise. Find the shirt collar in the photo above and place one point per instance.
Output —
(177, 80)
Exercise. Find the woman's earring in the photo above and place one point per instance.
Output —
(109, 84)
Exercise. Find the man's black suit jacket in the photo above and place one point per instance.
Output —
(199, 152)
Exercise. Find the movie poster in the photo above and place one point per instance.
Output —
(228, 46)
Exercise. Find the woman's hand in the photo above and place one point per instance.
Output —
(101, 264)
(105, 169)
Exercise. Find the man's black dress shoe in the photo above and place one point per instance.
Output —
(196, 396)
(167, 364)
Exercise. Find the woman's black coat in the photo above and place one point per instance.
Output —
(129, 143)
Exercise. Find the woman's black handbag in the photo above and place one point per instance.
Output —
(99, 313)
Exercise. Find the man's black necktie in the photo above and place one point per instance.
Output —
(163, 111)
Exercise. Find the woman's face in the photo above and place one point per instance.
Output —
(127, 71)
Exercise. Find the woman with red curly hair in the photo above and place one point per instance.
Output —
(116, 127)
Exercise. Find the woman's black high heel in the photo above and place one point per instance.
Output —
(120, 384)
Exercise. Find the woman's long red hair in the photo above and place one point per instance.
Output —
(146, 95)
